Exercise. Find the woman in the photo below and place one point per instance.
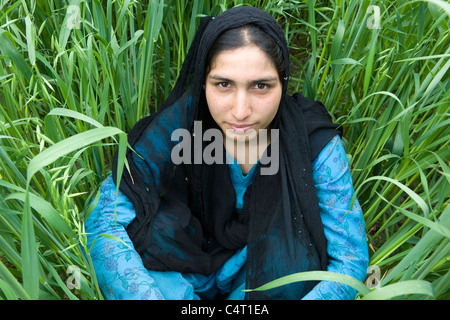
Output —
(198, 229)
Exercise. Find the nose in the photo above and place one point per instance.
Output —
(241, 108)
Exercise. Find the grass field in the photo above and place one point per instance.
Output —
(76, 76)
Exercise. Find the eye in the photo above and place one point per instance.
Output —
(223, 84)
(261, 86)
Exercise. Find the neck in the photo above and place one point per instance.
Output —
(247, 152)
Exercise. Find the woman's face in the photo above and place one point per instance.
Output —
(243, 91)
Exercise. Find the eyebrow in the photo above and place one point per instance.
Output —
(262, 80)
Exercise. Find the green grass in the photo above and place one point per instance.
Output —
(72, 88)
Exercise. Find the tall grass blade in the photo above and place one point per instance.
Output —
(29, 253)
(315, 275)
(400, 289)
(71, 144)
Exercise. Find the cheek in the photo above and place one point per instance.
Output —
(272, 104)
(217, 104)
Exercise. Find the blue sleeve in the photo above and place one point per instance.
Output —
(344, 229)
(119, 269)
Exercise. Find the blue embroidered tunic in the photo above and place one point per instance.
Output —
(122, 275)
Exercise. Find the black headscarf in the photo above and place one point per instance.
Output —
(185, 214)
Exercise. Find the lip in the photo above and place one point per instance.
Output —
(240, 128)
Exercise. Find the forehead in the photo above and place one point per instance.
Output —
(247, 61)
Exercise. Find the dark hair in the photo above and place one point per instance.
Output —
(244, 36)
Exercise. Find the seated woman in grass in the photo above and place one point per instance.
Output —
(232, 183)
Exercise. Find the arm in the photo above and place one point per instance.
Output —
(119, 268)
(345, 231)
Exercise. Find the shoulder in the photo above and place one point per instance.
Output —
(312, 108)
(331, 168)
(319, 123)
(334, 148)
